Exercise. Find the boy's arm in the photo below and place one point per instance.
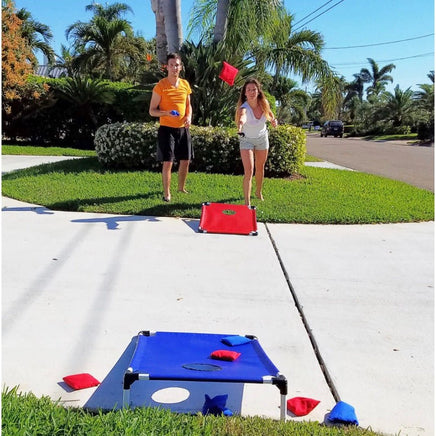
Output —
(188, 113)
(154, 110)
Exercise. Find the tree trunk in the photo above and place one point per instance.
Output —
(173, 24)
(222, 12)
(161, 37)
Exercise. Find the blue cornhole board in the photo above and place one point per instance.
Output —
(179, 356)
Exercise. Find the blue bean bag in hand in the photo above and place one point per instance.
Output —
(343, 413)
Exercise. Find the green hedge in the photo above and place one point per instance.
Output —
(54, 120)
(216, 150)
(130, 103)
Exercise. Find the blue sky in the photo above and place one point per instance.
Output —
(375, 24)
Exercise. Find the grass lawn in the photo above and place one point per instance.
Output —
(317, 196)
(409, 137)
(27, 415)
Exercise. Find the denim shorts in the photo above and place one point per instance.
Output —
(261, 143)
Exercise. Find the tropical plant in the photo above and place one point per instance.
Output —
(425, 107)
(261, 31)
(84, 93)
(292, 102)
(368, 118)
(213, 101)
(138, 58)
(425, 95)
(355, 88)
(399, 107)
(331, 88)
(37, 35)
(238, 23)
(67, 113)
(65, 61)
(314, 111)
(104, 44)
(377, 77)
(109, 12)
(349, 109)
(299, 54)
(390, 113)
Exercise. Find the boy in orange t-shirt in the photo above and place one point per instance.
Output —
(171, 102)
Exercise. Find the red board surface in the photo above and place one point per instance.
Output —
(228, 218)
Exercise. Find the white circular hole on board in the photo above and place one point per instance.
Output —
(170, 395)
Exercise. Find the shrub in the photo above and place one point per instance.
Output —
(57, 117)
(426, 131)
(399, 130)
(127, 145)
(216, 150)
(287, 151)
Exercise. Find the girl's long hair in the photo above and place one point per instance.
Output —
(261, 99)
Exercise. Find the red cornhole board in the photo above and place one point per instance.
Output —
(228, 218)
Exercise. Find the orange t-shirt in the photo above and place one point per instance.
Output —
(172, 98)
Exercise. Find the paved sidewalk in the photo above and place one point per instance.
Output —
(11, 162)
(77, 287)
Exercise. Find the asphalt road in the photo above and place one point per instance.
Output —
(396, 160)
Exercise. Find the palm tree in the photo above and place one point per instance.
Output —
(425, 96)
(377, 77)
(36, 34)
(300, 54)
(83, 93)
(399, 107)
(220, 28)
(261, 31)
(169, 34)
(355, 88)
(214, 101)
(237, 23)
(109, 12)
(425, 106)
(292, 102)
(100, 44)
(331, 88)
(65, 61)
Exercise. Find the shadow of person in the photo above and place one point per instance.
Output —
(112, 223)
(40, 210)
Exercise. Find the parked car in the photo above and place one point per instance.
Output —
(333, 127)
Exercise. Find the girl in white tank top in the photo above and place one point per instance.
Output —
(252, 112)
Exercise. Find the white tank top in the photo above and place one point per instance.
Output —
(253, 128)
